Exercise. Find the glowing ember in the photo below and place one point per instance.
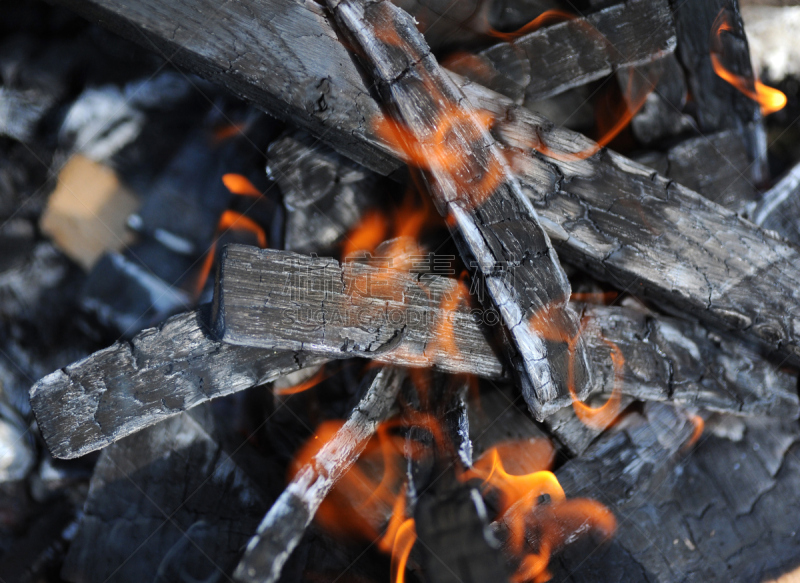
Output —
(320, 376)
(769, 98)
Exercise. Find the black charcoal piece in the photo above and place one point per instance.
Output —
(168, 504)
(562, 56)
(158, 374)
(324, 193)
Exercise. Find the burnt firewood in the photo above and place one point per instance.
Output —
(287, 301)
(719, 106)
(779, 208)
(729, 508)
(195, 504)
(282, 528)
(626, 225)
(324, 193)
(131, 385)
(710, 165)
(122, 389)
(628, 460)
(662, 114)
(616, 218)
(562, 56)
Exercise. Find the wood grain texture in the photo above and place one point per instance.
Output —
(562, 56)
(282, 528)
(131, 385)
(400, 321)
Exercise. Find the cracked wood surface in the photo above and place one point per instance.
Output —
(728, 508)
(160, 373)
(282, 528)
(402, 320)
(562, 56)
(616, 218)
(492, 221)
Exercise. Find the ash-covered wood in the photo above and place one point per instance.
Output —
(324, 193)
(719, 106)
(131, 385)
(283, 526)
(280, 300)
(562, 56)
(713, 165)
(168, 504)
(612, 216)
(285, 301)
(623, 223)
(779, 208)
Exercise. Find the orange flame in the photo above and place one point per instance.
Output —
(594, 417)
(228, 220)
(238, 184)
(546, 18)
(444, 337)
(554, 522)
(367, 235)
(769, 98)
(320, 376)
(699, 426)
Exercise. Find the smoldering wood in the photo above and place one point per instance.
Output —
(160, 373)
(639, 244)
(625, 224)
(711, 165)
(281, 300)
(324, 193)
(779, 208)
(719, 106)
(184, 501)
(282, 528)
(286, 301)
(496, 230)
(726, 508)
(562, 56)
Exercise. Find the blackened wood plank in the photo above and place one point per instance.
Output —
(131, 385)
(719, 106)
(562, 56)
(287, 301)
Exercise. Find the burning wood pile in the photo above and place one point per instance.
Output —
(516, 299)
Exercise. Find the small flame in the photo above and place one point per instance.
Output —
(367, 235)
(769, 98)
(533, 501)
(546, 18)
(594, 417)
(699, 426)
(320, 376)
(238, 184)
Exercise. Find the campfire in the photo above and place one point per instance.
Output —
(414, 292)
